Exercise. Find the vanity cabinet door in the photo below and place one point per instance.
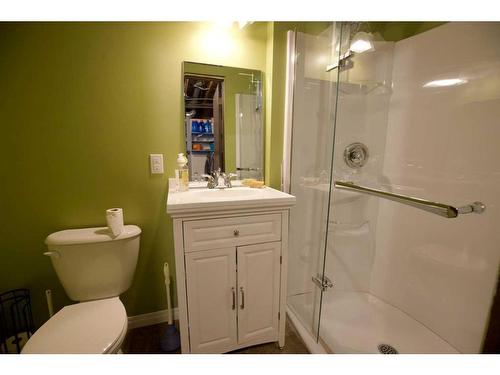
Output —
(258, 292)
(211, 294)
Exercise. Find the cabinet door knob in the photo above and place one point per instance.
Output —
(236, 232)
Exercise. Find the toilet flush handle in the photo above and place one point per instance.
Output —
(54, 254)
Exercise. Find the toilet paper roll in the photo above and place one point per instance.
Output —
(114, 218)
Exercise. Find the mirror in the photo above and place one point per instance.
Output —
(224, 120)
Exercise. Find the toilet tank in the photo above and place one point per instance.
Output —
(91, 263)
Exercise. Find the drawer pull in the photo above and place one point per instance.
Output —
(236, 232)
(234, 298)
(242, 306)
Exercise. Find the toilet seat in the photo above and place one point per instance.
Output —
(94, 327)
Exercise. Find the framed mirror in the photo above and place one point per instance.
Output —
(224, 120)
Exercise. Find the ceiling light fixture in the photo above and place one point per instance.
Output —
(362, 42)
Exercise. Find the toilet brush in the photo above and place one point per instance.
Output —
(170, 340)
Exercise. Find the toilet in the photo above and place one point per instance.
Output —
(94, 268)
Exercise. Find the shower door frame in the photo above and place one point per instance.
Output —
(314, 343)
(286, 165)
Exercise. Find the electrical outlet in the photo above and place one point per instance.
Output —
(156, 163)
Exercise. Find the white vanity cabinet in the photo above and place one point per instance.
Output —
(231, 275)
(233, 296)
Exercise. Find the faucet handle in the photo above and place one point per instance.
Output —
(211, 181)
(227, 178)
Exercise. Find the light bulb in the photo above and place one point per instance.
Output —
(361, 42)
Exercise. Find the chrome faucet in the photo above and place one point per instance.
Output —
(219, 180)
(210, 181)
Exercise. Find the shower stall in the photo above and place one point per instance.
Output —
(392, 150)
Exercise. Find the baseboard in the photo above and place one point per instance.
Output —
(149, 319)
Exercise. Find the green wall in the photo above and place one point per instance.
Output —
(82, 106)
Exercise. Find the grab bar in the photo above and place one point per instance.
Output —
(440, 209)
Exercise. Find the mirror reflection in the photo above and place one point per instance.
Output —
(224, 120)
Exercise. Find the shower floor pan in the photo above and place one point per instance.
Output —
(356, 322)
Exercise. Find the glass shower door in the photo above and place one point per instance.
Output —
(414, 118)
(314, 104)
(364, 90)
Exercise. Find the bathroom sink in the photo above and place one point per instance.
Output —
(216, 200)
(225, 194)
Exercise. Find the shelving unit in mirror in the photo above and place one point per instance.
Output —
(203, 105)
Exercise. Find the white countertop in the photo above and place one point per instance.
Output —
(202, 199)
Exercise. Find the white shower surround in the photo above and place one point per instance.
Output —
(441, 272)
(443, 144)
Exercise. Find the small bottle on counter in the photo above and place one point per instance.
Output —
(182, 173)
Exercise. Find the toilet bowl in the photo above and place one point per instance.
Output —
(94, 268)
(95, 327)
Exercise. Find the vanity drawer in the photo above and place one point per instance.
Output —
(232, 231)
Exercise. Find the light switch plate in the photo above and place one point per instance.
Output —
(156, 163)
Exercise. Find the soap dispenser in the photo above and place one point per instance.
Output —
(182, 173)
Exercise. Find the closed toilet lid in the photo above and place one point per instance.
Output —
(88, 327)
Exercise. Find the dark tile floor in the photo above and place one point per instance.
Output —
(146, 340)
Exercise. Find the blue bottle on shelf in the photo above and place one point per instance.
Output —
(195, 126)
(208, 126)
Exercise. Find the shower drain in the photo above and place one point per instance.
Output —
(387, 349)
